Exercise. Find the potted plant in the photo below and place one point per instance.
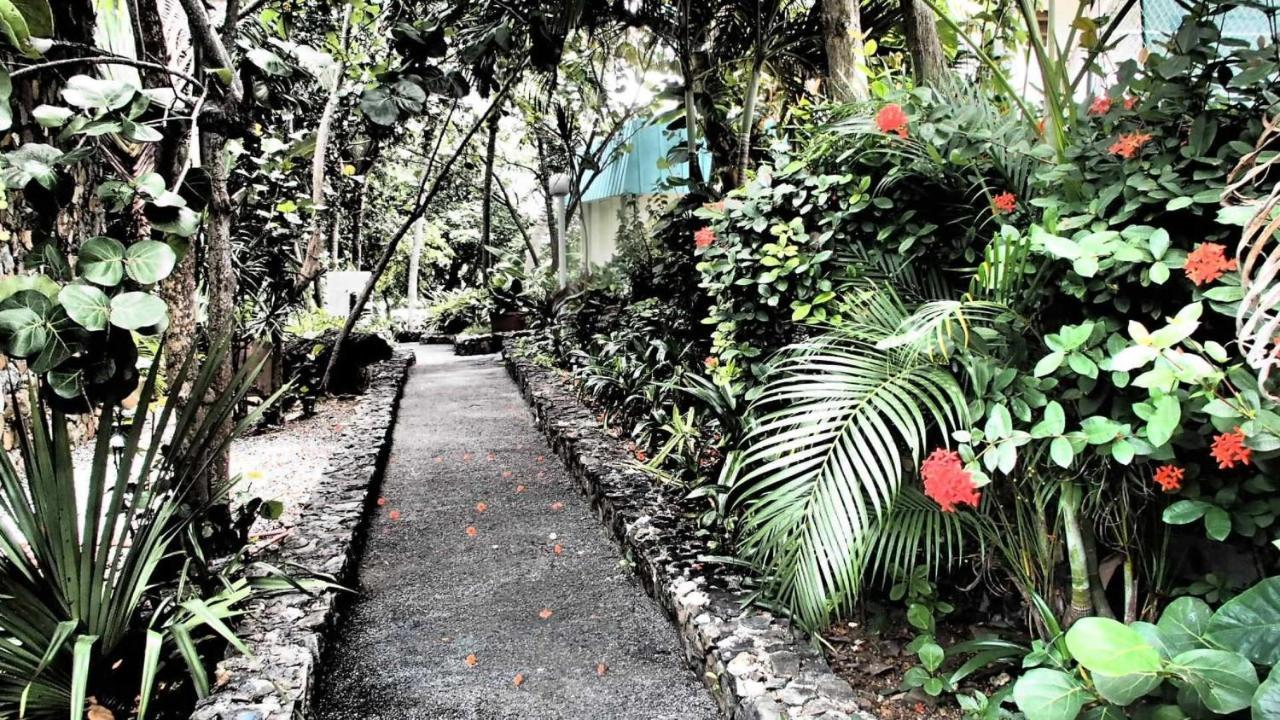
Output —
(506, 287)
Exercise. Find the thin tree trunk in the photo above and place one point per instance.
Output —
(486, 203)
(846, 59)
(748, 119)
(515, 218)
(928, 64)
(544, 180)
(415, 259)
(1081, 598)
(310, 265)
(424, 201)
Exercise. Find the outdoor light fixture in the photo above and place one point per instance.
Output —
(559, 186)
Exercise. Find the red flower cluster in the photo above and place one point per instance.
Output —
(891, 119)
(1207, 263)
(947, 482)
(1128, 144)
(704, 238)
(1100, 105)
(1005, 202)
(712, 362)
(1229, 449)
(1130, 103)
(1169, 477)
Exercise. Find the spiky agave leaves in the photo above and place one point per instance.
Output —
(83, 583)
(835, 433)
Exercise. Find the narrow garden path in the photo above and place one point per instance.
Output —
(488, 589)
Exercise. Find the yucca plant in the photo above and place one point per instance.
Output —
(99, 591)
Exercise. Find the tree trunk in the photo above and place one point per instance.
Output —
(486, 203)
(928, 64)
(544, 180)
(310, 267)
(846, 60)
(1080, 603)
(415, 259)
(220, 283)
(748, 119)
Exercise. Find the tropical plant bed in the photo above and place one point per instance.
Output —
(755, 664)
(286, 633)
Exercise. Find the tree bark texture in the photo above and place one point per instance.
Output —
(846, 59)
(928, 64)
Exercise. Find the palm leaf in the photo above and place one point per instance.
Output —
(834, 434)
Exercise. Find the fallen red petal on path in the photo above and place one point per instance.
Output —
(558, 549)
(518, 680)
(557, 506)
(394, 514)
(466, 457)
(601, 669)
(471, 660)
(506, 473)
(438, 459)
(472, 531)
(481, 507)
(382, 501)
(545, 613)
(541, 458)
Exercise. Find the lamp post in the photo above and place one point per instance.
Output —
(559, 187)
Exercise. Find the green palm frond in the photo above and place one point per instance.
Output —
(835, 432)
(939, 328)
(916, 532)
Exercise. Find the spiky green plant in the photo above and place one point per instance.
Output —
(97, 592)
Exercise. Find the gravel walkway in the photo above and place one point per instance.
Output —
(488, 590)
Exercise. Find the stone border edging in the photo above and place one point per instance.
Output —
(756, 665)
(286, 633)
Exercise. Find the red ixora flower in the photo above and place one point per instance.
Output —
(891, 119)
(712, 362)
(1100, 106)
(1169, 478)
(704, 238)
(1130, 102)
(1128, 144)
(947, 482)
(1005, 202)
(1207, 263)
(1229, 449)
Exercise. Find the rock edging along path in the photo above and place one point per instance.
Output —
(487, 588)
(756, 664)
(286, 632)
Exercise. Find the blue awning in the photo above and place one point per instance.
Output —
(640, 166)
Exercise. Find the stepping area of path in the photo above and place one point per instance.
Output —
(488, 588)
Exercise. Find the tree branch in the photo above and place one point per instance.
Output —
(203, 28)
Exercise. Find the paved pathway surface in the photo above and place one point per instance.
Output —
(519, 607)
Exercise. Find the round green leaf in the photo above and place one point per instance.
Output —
(149, 261)
(25, 332)
(1266, 701)
(102, 261)
(1043, 694)
(1125, 689)
(1183, 624)
(94, 94)
(87, 305)
(1224, 681)
(134, 310)
(1250, 623)
(1109, 647)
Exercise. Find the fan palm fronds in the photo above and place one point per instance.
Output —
(823, 462)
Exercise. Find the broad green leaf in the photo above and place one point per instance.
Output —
(1125, 689)
(1183, 625)
(1043, 694)
(1185, 511)
(87, 305)
(15, 29)
(25, 332)
(52, 116)
(269, 62)
(97, 94)
(32, 161)
(1224, 681)
(1164, 421)
(1266, 701)
(102, 261)
(1061, 452)
(1217, 523)
(148, 262)
(1250, 623)
(1108, 647)
(137, 310)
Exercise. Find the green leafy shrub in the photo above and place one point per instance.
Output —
(452, 311)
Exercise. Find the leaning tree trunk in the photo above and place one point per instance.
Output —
(928, 64)
(846, 59)
(486, 203)
(748, 118)
(415, 260)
